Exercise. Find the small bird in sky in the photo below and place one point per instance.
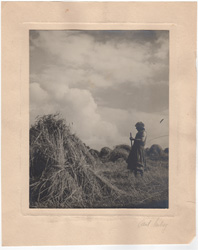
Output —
(161, 120)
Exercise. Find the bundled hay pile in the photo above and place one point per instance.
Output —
(166, 150)
(104, 152)
(120, 152)
(124, 147)
(95, 153)
(156, 152)
(62, 171)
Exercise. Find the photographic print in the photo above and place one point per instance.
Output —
(99, 119)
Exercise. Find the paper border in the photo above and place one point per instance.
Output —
(22, 226)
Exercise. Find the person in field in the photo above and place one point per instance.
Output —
(136, 160)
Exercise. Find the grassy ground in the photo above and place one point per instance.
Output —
(149, 191)
(64, 174)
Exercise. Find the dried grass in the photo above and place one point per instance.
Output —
(62, 170)
(64, 173)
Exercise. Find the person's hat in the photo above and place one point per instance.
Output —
(139, 125)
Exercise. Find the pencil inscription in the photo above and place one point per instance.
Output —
(157, 223)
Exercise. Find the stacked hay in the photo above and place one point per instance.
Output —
(124, 146)
(120, 152)
(104, 154)
(95, 153)
(166, 150)
(156, 152)
(62, 171)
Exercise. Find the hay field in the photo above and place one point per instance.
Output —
(65, 173)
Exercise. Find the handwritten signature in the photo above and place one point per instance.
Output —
(157, 223)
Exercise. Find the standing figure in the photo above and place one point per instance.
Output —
(136, 160)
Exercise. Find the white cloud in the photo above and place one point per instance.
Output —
(74, 65)
(79, 108)
(37, 93)
(103, 64)
(126, 120)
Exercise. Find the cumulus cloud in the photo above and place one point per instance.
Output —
(125, 120)
(104, 64)
(79, 109)
(101, 81)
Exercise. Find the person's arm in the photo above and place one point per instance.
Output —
(142, 139)
(132, 139)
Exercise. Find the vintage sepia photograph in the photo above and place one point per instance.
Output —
(99, 119)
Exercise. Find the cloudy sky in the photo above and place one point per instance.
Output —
(102, 82)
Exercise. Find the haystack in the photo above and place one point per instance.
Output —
(119, 152)
(124, 147)
(156, 150)
(95, 153)
(62, 170)
(166, 150)
(105, 152)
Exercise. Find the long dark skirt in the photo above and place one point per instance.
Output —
(136, 160)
